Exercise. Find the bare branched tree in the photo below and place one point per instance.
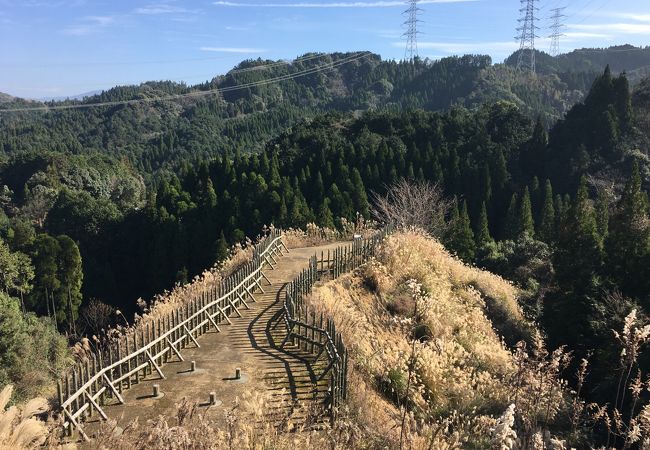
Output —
(96, 316)
(413, 204)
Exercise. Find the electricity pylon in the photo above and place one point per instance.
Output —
(411, 33)
(556, 30)
(527, 35)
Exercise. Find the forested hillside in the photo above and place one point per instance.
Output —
(160, 134)
(620, 58)
(116, 202)
(320, 169)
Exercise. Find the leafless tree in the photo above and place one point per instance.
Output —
(96, 316)
(413, 204)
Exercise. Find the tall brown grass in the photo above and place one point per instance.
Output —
(19, 429)
(314, 235)
(425, 338)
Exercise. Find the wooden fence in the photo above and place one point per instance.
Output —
(319, 336)
(106, 373)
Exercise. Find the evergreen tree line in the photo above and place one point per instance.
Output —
(158, 136)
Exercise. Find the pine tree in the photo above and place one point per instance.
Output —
(534, 151)
(536, 199)
(359, 196)
(221, 248)
(283, 213)
(296, 216)
(525, 224)
(70, 274)
(438, 175)
(578, 258)
(325, 217)
(628, 242)
(602, 214)
(500, 171)
(274, 176)
(210, 196)
(319, 188)
(547, 220)
(453, 171)
(46, 281)
(483, 236)
(510, 227)
(460, 238)
(486, 183)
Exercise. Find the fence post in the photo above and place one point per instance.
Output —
(136, 347)
(119, 367)
(100, 360)
(87, 378)
(128, 361)
(75, 386)
(59, 391)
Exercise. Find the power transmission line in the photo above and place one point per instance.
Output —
(556, 29)
(526, 59)
(183, 78)
(411, 33)
(259, 67)
(592, 12)
(196, 94)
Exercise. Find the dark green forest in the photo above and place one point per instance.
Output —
(159, 135)
(549, 177)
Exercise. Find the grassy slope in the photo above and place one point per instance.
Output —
(463, 368)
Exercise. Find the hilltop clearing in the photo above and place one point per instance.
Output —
(422, 328)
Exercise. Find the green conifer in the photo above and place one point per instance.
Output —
(483, 236)
(525, 224)
(547, 220)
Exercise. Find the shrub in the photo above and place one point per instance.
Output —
(401, 305)
(32, 352)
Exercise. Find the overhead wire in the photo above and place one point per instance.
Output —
(194, 94)
(584, 18)
(134, 63)
(592, 12)
(182, 78)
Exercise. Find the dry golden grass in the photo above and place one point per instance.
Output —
(314, 235)
(462, 362)
(19, 429)
(422, 331)
(247, 424)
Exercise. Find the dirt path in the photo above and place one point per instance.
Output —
(249, 343)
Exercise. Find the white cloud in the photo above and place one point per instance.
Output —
(584, 35)
(634, 16)
(42, 4)
(89, 24)
(375, 4)
(618, 28)
(466, 47)
(233, 49)
(162, 8)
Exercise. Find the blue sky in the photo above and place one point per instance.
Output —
(66, 47)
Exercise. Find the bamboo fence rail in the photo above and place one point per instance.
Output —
(319, 335)
(86, 388)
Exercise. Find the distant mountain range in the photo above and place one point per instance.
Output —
(6, 98)
(164, 134)
(635, 61)
(70, 97)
